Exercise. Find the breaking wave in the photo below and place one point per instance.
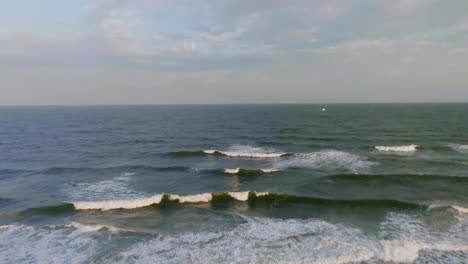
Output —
(326, 159)
(458, 208)
(400, 238)
(321, 159)
(408, 148)
(235, 151)
(265, 198)
(265, 240)
(241, 171)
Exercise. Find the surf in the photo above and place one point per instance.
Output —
(407, 148)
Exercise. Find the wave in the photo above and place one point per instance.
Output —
(458, 208)
(234, 151)
(114, 188)
(458, 147)
(159, 198)
(321, 159)
(85, 228)
(266, 240)
(326, 159)
(241, 171)
(215, 197)
(67, 243)
(400, 238)
(408, 148)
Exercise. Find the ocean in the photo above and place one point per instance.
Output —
(357, 183)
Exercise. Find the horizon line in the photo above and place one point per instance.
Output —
(201, 104)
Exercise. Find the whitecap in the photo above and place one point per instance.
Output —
(118, 204)
(247, 151)
(195, 198)
(240, 196)
(326, 159)
(237, 170)
(232, 171)
(156, 199)
(408, 148)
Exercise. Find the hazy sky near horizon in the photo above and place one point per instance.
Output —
(232, 51)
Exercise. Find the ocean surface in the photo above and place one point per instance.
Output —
(357, 183)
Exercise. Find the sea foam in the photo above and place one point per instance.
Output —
(459, 147)
(400, 238)
(408, 148)
(247, 151)
(266, 240)
(326, 159)
(238, 170)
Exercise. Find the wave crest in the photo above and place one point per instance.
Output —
(239, 196)
(248, 171)
(246, 151)
(408, 148)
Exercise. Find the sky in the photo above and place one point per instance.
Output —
(80, 52)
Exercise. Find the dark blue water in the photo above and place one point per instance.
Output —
(234, 184)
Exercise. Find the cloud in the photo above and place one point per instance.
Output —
(198, 35)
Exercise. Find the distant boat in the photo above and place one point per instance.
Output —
(324, 109)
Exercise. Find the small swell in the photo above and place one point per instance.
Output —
(404, 178)
(62, 170)
(187, 153)
(459, 147)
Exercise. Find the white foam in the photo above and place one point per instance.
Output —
(459, 147)
(458, 208)
(110, 189)
(402, 239)
(118, 204)
(264, 240)
(259, 240)
(241, 196)
(258, 194)
(232, 171)
(269, 170)
(5, 227)
(26, 244)
(326, 159)
(237, 170)
(409, 148)
(93, 228)
(247, 151)
(195, 198)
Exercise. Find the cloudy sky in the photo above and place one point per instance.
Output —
(232, 51)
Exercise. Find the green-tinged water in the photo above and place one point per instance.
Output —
(358, 183)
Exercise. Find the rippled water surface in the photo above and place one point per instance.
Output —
(360, 183)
